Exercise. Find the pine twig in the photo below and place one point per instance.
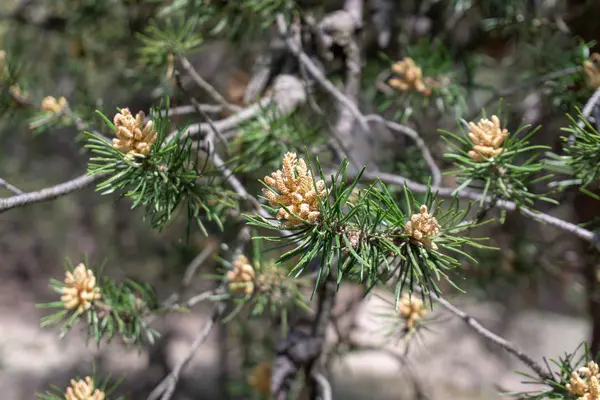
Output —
(10, 187)
(505, 344)
(49, 193)
(166, 387)
(408, 131)
(466, 193)
(187, 66)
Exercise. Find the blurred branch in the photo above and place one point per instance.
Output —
(318, 75)
(10, 187)
(167, 387)
(505, 344)
(287, 94)
(49, 193)
(435, 170)
(187, 66)
(182, 110)
(324, 386)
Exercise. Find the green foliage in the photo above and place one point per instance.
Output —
(504, 176)
(365, 240)
(161, 42)
(121, 311)
(582, 158)
(170, 176)
(236, 20)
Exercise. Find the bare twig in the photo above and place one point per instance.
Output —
(287, 94)
(505, 344)
(10, 187)
(49, 193)
(185, 63)
(408, 131)
(190, 271)
(324, 386)
(167, 386)
(189, 109)
(199, 109)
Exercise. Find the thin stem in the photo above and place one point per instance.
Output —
(505, 344)
(187, 66)
(49, 193)
(10, 187)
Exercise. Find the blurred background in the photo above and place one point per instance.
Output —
(540, 291)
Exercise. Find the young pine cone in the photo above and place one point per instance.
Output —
(83, 389)
(487, 137)
(584, 382)
(80, 291)
(50, 104)
(409, 77)
(241, 278)
(423, 227)
(132, 135)
(411, 309)
(296, 191)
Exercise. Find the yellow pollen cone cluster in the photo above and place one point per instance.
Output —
(241, 277)
(411, 309)
(423, 228)
(83, 389)
(487, 137)
(296, 190)
(80, 291)
(133, 136)
(584, 382)
(408, 77)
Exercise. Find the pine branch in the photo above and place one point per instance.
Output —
(505, 344)
(408, 131)
(469, 194)
(49, 193)
(166, 388)
(10, 187)
(187, 66)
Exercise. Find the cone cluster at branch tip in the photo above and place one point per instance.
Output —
(83, 389)
(260, 378)
(81, 290)
(411, 309)
(487, 137)
(408, 77)
(296, 190)
(423, 228)
(241, 277)
(591, 68)
(584, 382)
(50, 104)
(133, 136)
